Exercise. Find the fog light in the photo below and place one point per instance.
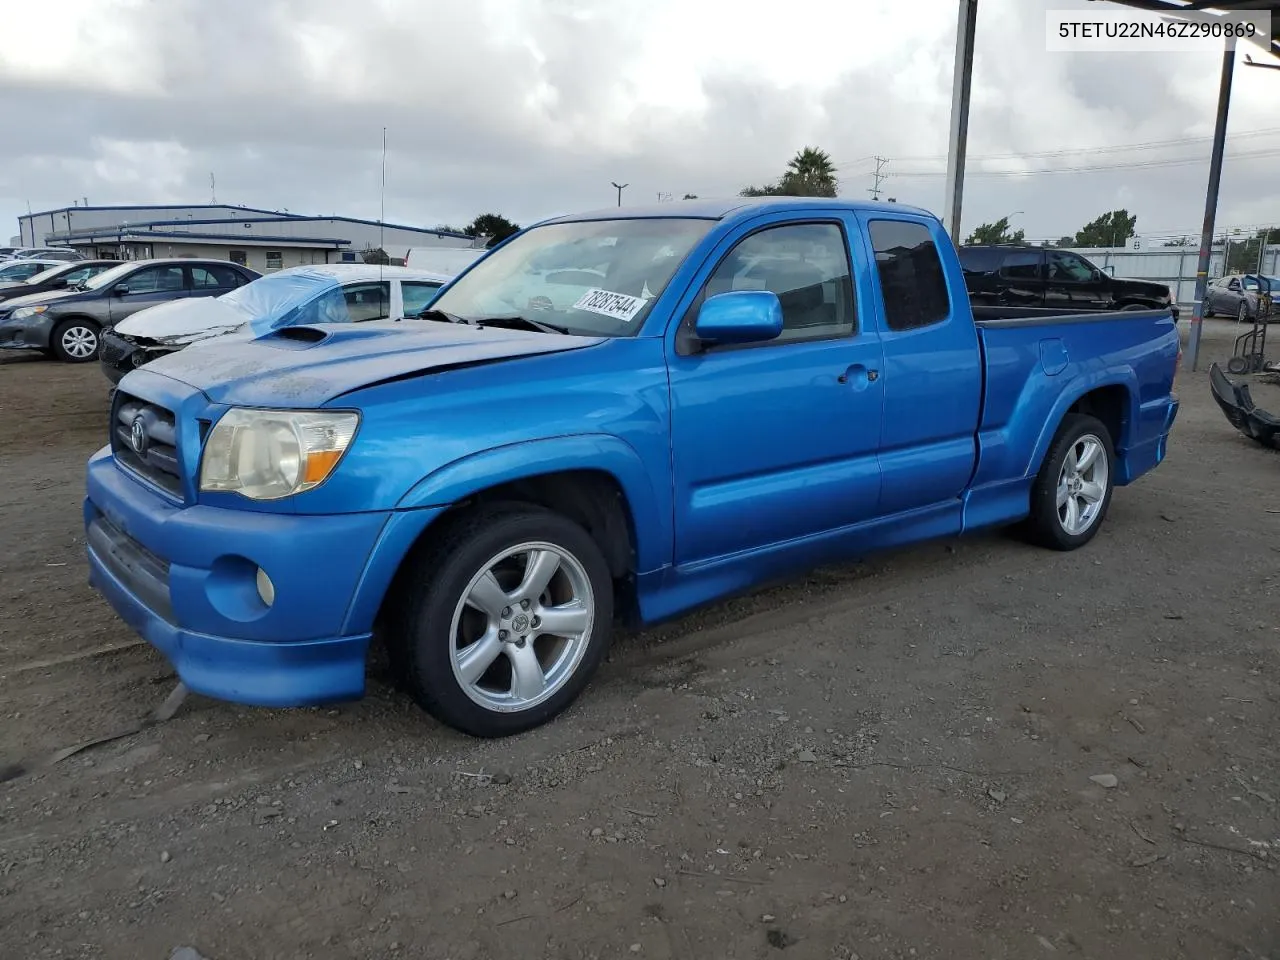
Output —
(266, 589)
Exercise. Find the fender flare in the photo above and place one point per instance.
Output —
(1114, 377)
(650, 514)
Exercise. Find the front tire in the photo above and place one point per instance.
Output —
(1072, 492)
(499, 625)
(75, 341)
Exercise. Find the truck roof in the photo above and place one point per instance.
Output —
(733, 208)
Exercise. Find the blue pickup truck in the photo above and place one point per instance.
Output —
(614, 415)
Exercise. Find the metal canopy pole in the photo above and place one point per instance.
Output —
(960, 84)
(1211, 208)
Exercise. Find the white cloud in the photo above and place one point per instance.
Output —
(532, 107)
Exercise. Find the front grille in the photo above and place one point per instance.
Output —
(114, 349)
(144, 440)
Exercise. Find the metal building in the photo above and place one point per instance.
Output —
(265, 240)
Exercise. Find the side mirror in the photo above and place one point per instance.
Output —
(1096, 273)
(741, 316)
(120, 289)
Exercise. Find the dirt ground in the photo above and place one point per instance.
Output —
(884, 760)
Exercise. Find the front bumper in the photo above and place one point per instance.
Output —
(29, 333)
(119, 355)
(183, 578)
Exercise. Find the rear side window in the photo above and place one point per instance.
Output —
(912, 283)
(975, 260)
(211, 277)
(1022, 265)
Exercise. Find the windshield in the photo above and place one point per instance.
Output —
(593, 278)
(54, 272)
(108, 277)
(19, 270)
(289, 298)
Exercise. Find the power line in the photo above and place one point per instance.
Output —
(1115, 148)
(1136, 165)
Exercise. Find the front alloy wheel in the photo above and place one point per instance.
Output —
(498, 624)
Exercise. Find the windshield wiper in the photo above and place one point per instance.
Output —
(440, 316)
(517, 322)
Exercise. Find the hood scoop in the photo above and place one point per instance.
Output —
(297, 337)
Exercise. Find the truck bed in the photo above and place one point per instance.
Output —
(1111, 361)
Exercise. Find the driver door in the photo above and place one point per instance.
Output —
(1073, 286)
(145, 288)
(777, 441)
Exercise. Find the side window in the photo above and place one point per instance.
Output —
(1069, 267)
(155, 280)
(912, 283)
(368, 301)
(807, 266)
(979, 260)
(417, 294)
(1022, 265)
(214, 277)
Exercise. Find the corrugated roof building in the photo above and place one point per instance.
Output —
(264, 240)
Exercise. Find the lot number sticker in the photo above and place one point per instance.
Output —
(620, 306)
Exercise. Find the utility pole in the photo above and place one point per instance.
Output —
(879, 177)
(620, 187)
(213, 189)
(958, 140)
(1192, 356)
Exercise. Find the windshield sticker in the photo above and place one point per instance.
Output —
(619, 306)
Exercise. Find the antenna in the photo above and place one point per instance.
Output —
(879, 177)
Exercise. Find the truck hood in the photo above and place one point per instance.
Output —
(307, 366)
(180, 322)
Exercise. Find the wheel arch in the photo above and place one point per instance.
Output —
(597, 481)
(1112, 398)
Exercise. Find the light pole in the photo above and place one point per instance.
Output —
(620, 187)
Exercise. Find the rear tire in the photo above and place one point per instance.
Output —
(468, 627)
(1069, 501)
(75, 341)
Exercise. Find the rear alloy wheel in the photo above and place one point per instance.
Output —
(1073, 489)
(74, 341)
(500, 625)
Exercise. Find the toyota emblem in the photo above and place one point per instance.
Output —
(138, 437)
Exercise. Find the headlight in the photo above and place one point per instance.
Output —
(269, 454)
(23, 312)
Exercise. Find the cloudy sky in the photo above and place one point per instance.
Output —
(531, 108)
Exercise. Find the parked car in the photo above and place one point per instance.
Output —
(804, 381)
(63, 254)
(20, 271)
(1054, 281)
(69, 324)
(338, 293)
(63, 276)
(1240, 296)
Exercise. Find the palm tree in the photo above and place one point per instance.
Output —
(810, 173)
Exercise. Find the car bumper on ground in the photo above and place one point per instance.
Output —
(185, 578)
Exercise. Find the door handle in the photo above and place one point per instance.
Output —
(858, 373)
